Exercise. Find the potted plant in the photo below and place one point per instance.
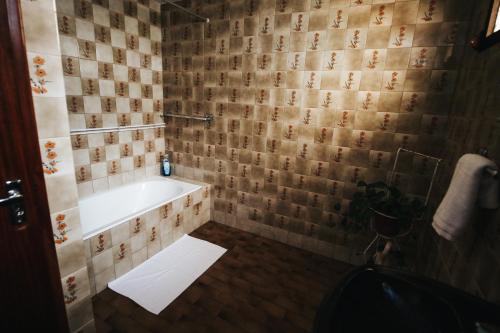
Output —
(390, 212)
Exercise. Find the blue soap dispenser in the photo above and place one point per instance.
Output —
(166, 169)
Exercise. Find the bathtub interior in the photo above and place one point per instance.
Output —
(105, 210)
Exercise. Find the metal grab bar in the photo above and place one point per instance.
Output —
(207, 117)
(114, 129)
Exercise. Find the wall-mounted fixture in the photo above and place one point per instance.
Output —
(208, 118)
(484, 152)
(434, 172)
(490, 35)
(114, 129)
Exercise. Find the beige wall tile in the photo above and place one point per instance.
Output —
(40, 30)
(120, 233)
(61, 184)
(139, 257)
(102, 261)
(51, 117)
(88, 327)
(102, 279)
(80, 314)
(71, 257)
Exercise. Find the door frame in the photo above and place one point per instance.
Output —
(28, 302)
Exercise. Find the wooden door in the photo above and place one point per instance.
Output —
(30, 289)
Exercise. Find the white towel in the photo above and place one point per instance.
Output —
(473, 182)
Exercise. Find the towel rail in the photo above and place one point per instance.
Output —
(207, 117)
(114, 129)
(484, 152)
(434, 173)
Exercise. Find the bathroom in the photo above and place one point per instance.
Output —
(238, 149)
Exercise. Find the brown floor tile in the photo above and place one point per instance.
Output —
(102, 326)
(258, 286)
(102, 310)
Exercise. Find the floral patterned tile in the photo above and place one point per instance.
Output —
(46, 75)
(57, 157)
(75, 287)
(66, 226)
(401, 36)
(100, 242)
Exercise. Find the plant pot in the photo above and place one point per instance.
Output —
(388, 226)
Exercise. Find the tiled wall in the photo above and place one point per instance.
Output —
(49, 97)
(309, 97)
(473, 262)
(114, 252)
(112, 69)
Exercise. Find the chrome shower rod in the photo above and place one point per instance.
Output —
(173, 4)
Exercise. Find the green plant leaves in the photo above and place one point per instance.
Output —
(383, 198)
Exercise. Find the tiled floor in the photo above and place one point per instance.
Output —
(259, 285)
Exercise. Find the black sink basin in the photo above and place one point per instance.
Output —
(380, 299)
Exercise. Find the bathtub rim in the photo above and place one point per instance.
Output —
(89, 235)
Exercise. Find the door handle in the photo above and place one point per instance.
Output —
(14, 201)
(14, 196)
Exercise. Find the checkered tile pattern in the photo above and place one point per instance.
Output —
(113, 73)
(309, 98)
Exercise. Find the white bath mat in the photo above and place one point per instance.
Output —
(155, 283)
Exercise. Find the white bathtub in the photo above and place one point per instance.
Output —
(105, 210)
